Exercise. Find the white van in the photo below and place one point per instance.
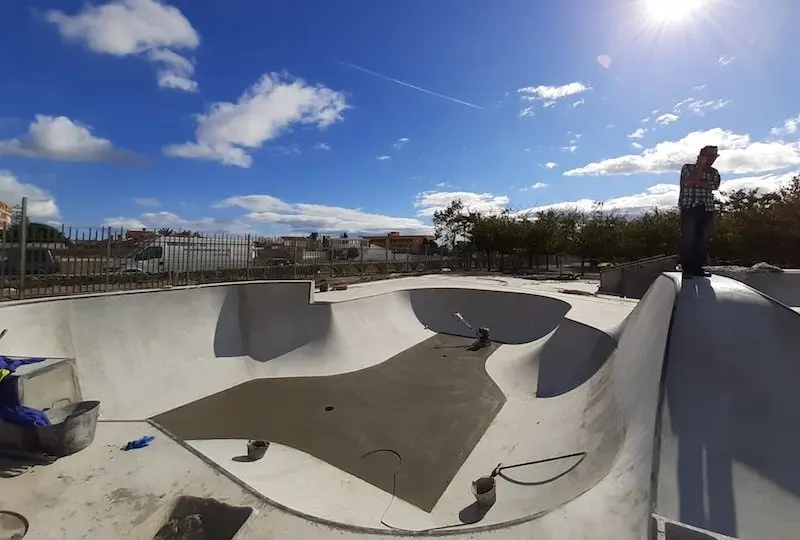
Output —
(186, 254)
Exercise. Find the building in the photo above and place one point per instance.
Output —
(404, 243)
(6, 211)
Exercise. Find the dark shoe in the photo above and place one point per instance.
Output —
(687, 275)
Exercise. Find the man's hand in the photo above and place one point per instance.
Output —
(695, 178)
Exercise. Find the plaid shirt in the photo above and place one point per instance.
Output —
(692, 196)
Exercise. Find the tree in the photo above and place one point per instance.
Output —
(165, 232)
(451, 224)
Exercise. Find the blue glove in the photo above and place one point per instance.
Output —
(139, 443)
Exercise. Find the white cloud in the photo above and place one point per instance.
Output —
(699, 87)
(572, 148)
(400, 143)
(255, 203)
(59, 138)
(579, 102)
(230, 130)
(537, 185)
(171, 220)
(175, 71)
(147, 201)
(738, 155)
(667, 118)
(552, 93)
(665, 196)
(429, 202)
(725, 60)
(638, 133)
(789, 127)
(131, 28)
(549, 95)
(698, 107)
(322, 146)
(637, 145)
(551, 165)
(302, 217)
(41, 203)
(383, 158)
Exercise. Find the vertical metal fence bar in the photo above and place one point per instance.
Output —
(4, 267)
(23, 247)
(105, 265)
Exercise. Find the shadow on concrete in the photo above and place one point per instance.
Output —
(266, 322)
(513, 318)
(430, 409)
(570, 357)
(189, 518)
(228, 337)
(731, 390)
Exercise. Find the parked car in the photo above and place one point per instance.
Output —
(38, 260)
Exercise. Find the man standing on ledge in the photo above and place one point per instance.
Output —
(696, 204)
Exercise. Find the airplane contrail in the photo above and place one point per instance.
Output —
(409, 85)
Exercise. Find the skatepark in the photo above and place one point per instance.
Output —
(590, 416)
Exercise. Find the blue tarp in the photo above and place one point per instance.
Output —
(11, 410)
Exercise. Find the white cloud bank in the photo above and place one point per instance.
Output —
(145, 28)
(739, 154)
(429, 202)
(270, 214)
(60, 139)
(228, 131)
(41, 203)
(665, 196)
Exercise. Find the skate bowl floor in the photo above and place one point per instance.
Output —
(596, 417)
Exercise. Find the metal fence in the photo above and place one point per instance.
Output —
(39, 260)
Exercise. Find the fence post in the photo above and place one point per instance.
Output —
(250, 253)
(294, 259)
(108, 256)
(361, 249)
(3, 265)
(386, 264)
(23, 247)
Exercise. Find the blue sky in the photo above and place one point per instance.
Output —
(292, 116)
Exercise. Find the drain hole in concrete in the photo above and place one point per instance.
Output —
(329, 408)
(444, 356)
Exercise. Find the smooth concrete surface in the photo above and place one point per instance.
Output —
(783, 286)
(405, 425)
(729, 443)
(145, 353)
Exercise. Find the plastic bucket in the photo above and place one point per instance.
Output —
(485, 491)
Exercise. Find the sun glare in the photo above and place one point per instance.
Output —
(671, 10)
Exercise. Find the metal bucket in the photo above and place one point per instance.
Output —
(73, 428)
(485, 491)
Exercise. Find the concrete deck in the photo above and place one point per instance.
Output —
(580, 429)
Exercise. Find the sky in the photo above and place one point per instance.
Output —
(287, 117)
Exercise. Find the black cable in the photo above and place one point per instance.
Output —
(497, 471)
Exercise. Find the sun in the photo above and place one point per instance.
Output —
(671, 10)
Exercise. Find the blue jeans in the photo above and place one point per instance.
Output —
(696, 224)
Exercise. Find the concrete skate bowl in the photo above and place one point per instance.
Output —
(379, 414)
